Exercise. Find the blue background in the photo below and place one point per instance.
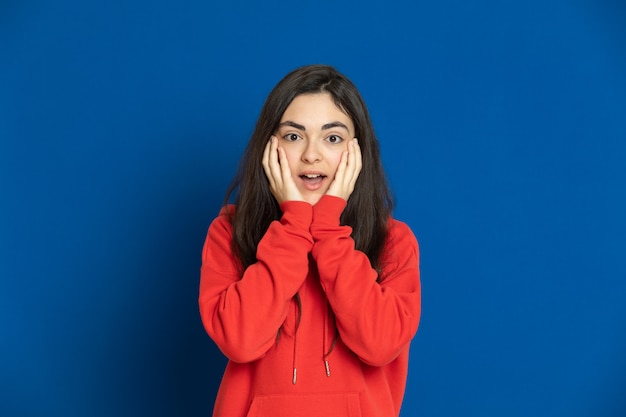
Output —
(502, 126)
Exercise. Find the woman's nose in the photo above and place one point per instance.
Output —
(311, 152)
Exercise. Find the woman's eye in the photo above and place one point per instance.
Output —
(334, 139)
(292, 137)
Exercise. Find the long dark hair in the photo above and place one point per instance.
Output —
(370, 204)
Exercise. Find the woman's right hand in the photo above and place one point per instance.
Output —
(278, 173)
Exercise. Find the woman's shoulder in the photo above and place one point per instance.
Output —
(396, 226)
(228, 210)
(398, 232)
(223, 221)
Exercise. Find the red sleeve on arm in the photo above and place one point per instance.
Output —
(375, 320)
(242, 314)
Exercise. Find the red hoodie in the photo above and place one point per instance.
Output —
(272, 373)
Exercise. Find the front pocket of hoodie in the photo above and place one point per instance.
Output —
(306, 405)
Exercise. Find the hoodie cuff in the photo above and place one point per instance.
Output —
(327, 211)
(297, 213)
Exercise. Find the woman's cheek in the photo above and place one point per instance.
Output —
(337, 158)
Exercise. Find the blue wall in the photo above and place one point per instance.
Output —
(503, 129)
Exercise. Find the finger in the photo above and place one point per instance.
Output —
(349, 168)
(266, 164)
(290, 188)
(274, 164)
(284, 165)
(340, 175)
(358, 163)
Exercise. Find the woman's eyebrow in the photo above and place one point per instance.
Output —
(334, 124)
(292, 124)
(324, 127)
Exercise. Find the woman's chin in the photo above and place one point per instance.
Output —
(312, 198)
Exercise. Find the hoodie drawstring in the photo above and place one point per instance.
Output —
(325, 353)
(295, 351)
(324, 341)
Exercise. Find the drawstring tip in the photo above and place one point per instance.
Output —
(327, 368)
(294, 376)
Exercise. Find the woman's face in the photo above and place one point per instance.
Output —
(314, 133)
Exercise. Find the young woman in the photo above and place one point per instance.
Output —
(308, 285)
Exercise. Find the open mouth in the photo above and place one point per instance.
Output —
(312, 178)
(312, 181)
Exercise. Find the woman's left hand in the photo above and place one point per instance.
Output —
(347, 172)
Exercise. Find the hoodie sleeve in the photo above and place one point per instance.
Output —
(242, 313)
(375, 320)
